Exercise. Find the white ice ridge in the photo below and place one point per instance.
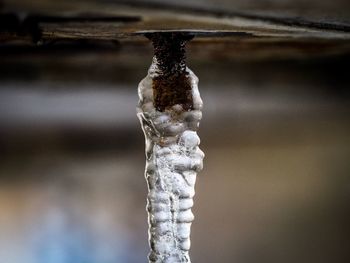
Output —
(173, 159)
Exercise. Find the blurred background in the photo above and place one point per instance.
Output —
(276, 134)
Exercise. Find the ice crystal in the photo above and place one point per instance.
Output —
(173, 159)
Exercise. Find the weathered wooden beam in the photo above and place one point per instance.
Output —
(108, 21)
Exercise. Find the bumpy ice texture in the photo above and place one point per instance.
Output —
(173, 159)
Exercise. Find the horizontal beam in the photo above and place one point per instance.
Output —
(132, 21)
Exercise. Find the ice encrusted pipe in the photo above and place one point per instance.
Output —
(170, 111)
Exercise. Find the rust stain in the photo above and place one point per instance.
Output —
(172, 85)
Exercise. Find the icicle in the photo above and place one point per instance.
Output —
(170, 121)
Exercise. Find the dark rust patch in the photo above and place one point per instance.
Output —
(172, 90)
(172, 85)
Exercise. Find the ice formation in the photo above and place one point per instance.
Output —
(173, 159)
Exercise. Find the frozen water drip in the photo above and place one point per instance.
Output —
(170, 110)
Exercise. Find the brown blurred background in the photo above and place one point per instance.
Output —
(276, 180)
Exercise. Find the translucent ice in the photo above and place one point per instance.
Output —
(173, 159)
